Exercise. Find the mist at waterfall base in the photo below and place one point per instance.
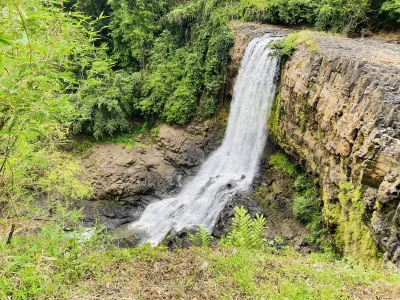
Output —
(231, 168)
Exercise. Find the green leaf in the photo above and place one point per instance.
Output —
(22, 142)
(6, 39)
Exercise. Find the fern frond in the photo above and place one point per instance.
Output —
(202, 237)
(246, 233)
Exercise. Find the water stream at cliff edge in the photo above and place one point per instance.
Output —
(232, 167)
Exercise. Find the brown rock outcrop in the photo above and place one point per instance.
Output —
(125, 180)
(338, 114)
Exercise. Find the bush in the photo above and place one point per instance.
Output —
(288, 12)
(286, 46)
(289, 44)
(389, 14)
(106, 100)
(343, 15)
(305, 202)
(306, 206)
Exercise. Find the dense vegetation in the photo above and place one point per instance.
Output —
(100, 68)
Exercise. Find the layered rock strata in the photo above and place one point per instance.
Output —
(338, 115)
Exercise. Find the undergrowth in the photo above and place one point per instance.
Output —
(202, 237)
(246, 233)
(53, 264)
(46, 176)
(306, 206)
(129, 140)
(45, 264)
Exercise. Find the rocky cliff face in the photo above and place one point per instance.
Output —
(338, 115)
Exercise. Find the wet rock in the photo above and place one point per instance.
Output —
(179, 240)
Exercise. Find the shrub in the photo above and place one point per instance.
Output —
(285, 46)
(288, 45)
(305, 201)
(105, 100)
(343, 15)
(389, 14)
(304, 206)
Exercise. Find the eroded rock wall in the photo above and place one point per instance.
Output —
(125, 180)
(338, 115)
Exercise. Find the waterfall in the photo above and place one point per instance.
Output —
(232, 167)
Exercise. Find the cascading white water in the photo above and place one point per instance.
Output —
(232, 167)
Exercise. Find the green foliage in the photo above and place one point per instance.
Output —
(46, 174)
(42, 266)
(168, 59)
(95, 9)
(289, 44)
(55, 265)
(202, 237)
(255, 274)
(306, 206)
(39, 53)
(246, 233)
(286, 46)
(279, 161)
(173, 85)
(154, 132)
(184, 81)
(134, 27)
(129, 140)
(278, 242)
(289, 12)
(105, 100)
(389, 14)
(98, 10)
(305, 203)
(345, 16)
(33, 57)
